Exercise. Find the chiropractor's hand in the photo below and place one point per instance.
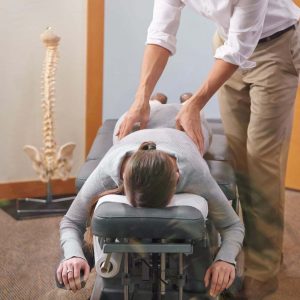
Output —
(68, 273)
(188, 120)
(138, 113)
(219, 276)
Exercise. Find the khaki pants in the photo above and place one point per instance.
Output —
(257, 111)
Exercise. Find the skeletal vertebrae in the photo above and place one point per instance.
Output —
(49, 162)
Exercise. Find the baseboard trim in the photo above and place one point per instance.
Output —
(22, 189)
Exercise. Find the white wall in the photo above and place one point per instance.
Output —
(126, 24)
(21, 58)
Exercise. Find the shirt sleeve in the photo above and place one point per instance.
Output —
(225, 220)
(165, 22)
(73, 224)
(245, 29)
(195, 178)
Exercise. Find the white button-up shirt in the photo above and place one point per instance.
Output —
(241, 23)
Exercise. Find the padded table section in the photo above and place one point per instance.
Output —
(224, 175)
(219, 149)
(101, 144)
(182, 222)
(216, 126)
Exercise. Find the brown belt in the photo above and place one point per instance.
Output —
(276, 34)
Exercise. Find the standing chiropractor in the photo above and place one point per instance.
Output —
(256, 69)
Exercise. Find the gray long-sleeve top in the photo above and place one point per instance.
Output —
(195, 178)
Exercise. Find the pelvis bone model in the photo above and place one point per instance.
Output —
(50, 162)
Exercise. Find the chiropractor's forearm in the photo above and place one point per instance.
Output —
(219, 74)
(154, 62)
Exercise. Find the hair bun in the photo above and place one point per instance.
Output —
(148, 146)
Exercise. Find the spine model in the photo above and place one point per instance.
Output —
(50, 162)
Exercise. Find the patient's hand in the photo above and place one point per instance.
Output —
(188, 120)
(220, 275)
(138, 113)
(68, 272)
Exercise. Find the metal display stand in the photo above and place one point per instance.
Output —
(37, 207)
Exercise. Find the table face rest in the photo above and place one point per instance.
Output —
(111, 219)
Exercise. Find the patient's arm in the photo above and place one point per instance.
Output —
(221, 273)
(74, 223)
(225, 220)
(73, 227)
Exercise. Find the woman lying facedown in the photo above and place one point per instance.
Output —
(185, 171)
